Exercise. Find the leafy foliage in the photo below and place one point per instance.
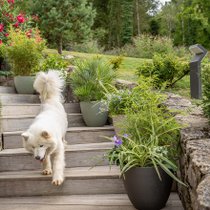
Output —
(90, 46)
(206, 89)
(116, 62)
(54, 61)
(117, 101)
(23, 53)
(64, 20)
(89, 77)
(165, 70)
(150, 135)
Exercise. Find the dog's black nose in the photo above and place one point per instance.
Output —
(37, 157)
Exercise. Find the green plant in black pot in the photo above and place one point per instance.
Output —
(147, 150)
(87, 80)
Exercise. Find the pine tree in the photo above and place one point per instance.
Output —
(64, 20)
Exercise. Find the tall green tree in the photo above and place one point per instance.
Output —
(186, 21)
(115, 13)
(64, 20)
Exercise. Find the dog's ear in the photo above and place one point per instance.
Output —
(25, 136)
(45, 135)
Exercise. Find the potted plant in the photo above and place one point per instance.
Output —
(147, 151)
(87, 80)
(117, 100)
(23, 52)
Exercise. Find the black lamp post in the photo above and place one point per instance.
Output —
(199, 53)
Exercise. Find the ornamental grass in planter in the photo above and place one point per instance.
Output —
(148, 150)
(23, 52)
(87, 80)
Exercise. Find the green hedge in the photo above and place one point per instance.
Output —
(206, 89)
(165, 70)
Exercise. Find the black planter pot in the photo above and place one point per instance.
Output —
(144, 188)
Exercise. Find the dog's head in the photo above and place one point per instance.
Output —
(38, 144)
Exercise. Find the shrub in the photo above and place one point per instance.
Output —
(23, 52)
(145, 46)
(88, 47)
(117, 101)
(116, 62)
(54, 61)
(206, 89)
(150, 134)
(166, 70)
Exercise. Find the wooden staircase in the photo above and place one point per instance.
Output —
(89, 184)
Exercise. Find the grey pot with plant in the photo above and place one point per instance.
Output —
(23, 53)
(117, 100)
(147, 150)
(87, 81)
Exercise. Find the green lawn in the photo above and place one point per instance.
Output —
(128, 68)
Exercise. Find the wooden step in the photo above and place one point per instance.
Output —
(7, 89)
(75, 135)
(18, 98)
(76, 155)
(33, 109)
(79, 202)
(18, 123)
(78, 181)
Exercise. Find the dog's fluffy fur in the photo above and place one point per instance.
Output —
(45, 137)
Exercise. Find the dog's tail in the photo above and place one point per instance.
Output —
(49, 85)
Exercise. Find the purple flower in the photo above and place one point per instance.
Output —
(117, 141)
(125, 135)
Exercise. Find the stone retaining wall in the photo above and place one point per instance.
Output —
(195, 156)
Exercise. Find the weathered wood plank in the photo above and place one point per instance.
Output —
(80, 202)
(82, 180)
(75, 135)
(75, 155)
(22, 122)
(33, 109)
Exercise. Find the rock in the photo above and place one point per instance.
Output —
(125, 84)
(195, 157)
(203, 192)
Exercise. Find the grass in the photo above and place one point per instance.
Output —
(182, 87)
(128, 68)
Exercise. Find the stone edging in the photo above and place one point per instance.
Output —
(195, 157)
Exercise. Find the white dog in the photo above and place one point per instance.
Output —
(45, 137)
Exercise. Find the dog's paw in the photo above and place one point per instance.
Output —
(47, 172)
(57, 182)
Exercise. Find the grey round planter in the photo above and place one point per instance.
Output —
(93, 113)
(24, 84)
(144, 188)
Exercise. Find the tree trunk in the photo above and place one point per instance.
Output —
(138, 18)
(183, 32)
(59, 45)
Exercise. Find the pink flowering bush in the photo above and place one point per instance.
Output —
(23, 51)
(11, 14)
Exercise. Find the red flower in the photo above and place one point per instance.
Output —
(16, 25)
(6, 34)
(1, 42)
(11, 1)
(1, 27)
(29, 33)
(20, 18)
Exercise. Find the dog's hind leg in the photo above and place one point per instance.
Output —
(47, 169)
(58, 167)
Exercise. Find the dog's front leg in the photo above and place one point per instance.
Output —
(47, 169)
(58, 167)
